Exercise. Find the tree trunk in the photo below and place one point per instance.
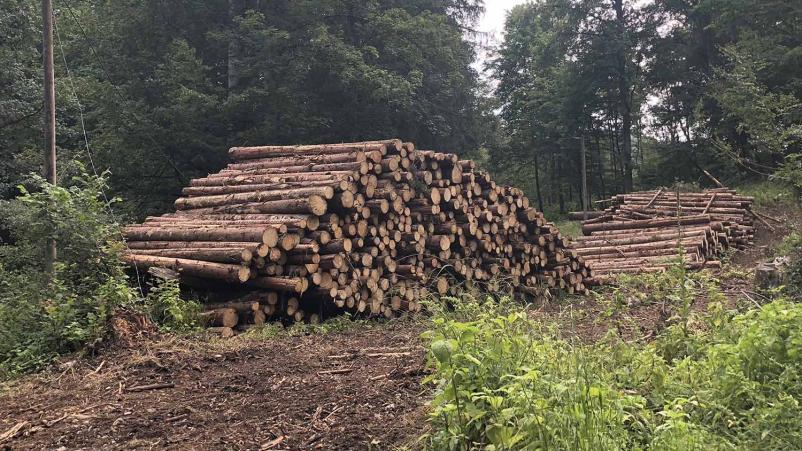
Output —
(649, 223)
(235, 8)
(537, 183)
(217, 255)
(624, 94)
(225, 317)
(314, 204)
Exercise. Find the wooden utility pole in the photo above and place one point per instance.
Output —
(584, 178)
(50, 114)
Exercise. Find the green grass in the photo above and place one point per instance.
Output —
(770, 194)
(571, 229)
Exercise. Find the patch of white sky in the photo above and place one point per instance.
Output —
(490, 28)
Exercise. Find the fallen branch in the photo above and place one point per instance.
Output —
(273, 443)
(339, 371)
(150, 387)
(14, 431)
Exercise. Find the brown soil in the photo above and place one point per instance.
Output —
(356, 389)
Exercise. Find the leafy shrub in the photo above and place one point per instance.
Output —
(791, 172)
(166, 308)
(504, 382)
(46, 315)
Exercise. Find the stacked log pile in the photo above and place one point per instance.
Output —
(368, 227)
(649, 230)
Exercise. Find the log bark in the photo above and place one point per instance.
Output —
(267, 235)
(246, 153)
(219, 255)
(187, 203)
(314, 204)
(224, 317)
(645, 224)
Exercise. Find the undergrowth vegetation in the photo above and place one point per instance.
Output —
(46, 315)
(725, 379)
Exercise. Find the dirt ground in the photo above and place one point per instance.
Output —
(356, 389)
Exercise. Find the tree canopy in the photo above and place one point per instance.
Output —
(656, 91)
(165, 89)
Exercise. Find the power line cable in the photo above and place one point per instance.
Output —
(86, 141)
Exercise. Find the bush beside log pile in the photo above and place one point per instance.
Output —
(645, 231)
(369, 227)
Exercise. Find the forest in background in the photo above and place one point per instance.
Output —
(659, 90)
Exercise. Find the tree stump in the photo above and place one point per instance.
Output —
(767, 276)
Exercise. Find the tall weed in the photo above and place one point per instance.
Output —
(506, 382)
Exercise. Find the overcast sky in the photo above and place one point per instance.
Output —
(492, 23)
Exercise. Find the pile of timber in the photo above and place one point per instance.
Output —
(647, 231)
(372, 227)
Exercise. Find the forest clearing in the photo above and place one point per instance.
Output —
(428, 224)
(345, 385)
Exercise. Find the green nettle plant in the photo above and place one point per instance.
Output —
(166, 308)
(505, 382)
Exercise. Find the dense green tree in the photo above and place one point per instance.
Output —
(729, 101)
(20, 94)
(168, 89)
(660, 90)
(569, 70)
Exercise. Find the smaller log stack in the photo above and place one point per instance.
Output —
(370, 227)
(644, 231)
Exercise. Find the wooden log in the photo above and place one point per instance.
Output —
(314, 204)
(219, 255)
(267, 235)
(341, 178)
(245, 187)
(623, 248)
(239, 306)
(310, 222)
(587, 229)
(286, 284)
(244, 153)
(356, 168)
(224, 317)
(223, 332)
(155, 245)
(188, 203)
(195, 268)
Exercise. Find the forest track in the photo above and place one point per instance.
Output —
(353, 389)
